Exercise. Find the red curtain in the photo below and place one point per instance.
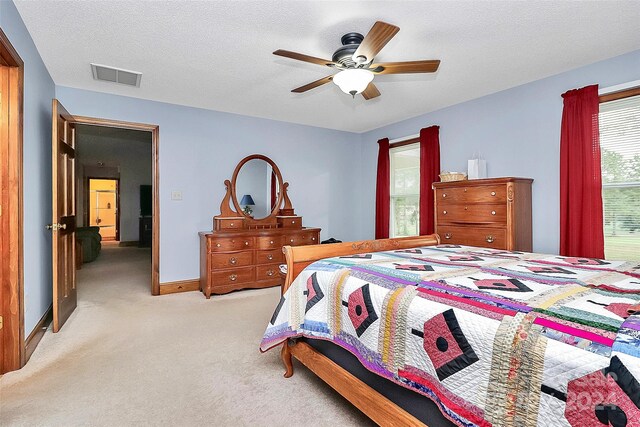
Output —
(383, 198)
(581, 227)
(429, 173)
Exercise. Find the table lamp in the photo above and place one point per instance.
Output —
(247, 201)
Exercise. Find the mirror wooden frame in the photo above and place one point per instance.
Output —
(234, 197)
(282, 206)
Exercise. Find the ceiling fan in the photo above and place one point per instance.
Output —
(355, 62)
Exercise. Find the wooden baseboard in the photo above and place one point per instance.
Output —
(179, 286)
(129, 243)
(38, 332)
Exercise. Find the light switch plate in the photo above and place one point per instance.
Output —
(176, 195)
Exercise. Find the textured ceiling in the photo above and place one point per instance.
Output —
(218, 54)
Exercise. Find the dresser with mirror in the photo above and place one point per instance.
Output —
(256, 220)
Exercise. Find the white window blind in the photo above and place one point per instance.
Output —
(620, 147)
(404, 164)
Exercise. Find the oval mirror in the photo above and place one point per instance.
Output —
(256, 183)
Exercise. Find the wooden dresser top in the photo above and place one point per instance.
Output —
(478, 182)
(256, 231)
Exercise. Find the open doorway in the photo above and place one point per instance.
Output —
(85, 147)
(102, 207)
(114, 169)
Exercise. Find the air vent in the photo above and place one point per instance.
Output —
(116, 75)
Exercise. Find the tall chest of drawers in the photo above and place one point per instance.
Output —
(493, 213)
(247, 258)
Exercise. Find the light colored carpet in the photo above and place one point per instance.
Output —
(127, 358)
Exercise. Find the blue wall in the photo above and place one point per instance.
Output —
(199, 149)
(39, 90)
(517, 131)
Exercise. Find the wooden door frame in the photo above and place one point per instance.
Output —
(12, 285)
(86, 187)
(155, 160)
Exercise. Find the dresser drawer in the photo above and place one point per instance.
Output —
(269, 242)
(231, 224)
(473, 236)
(268, 257)
(471, 213)
(472, 194)
(225, 244)
(290, 221)
(268, 271)
(301, 238)
(230, 277)
(229, 260)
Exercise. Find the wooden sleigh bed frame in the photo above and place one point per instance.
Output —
(374, 405)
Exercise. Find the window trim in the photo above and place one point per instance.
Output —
(393, 148)
(615, 96)
(407, 141)
(621, 94)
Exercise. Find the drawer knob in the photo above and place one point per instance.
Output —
(218, 245)
(291, 240)
(447, 235)
(466, 208)
(269, 257)
(493, 193)
(270, 273)
(493, 212)
(246, 243)
(233, 277)
(231, 224)
(271, 242)
(444, 195)
(233, 261)
(313, 239)
(444, 212)
(293, 222)
(489, 239)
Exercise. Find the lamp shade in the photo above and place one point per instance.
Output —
(353, 81)
(247, 200)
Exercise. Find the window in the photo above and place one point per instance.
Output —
(620, 148)
(405, 190)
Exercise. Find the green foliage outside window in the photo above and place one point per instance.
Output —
(621, 200)
(406, 211)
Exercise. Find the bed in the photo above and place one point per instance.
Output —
(489, 337)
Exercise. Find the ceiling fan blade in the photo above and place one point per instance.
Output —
(378, 36)
(303, 57)
(371, 92)
(313, 85)
(429, 66)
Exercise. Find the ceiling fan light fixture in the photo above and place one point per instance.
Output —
(353, 81)
(354, 62)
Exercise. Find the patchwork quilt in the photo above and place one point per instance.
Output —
(495, 338)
